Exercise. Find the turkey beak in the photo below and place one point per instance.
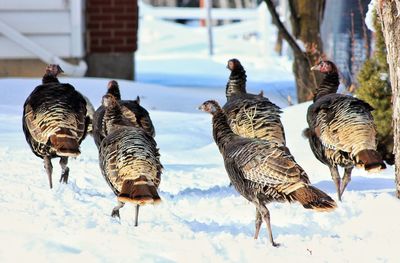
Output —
(60, 69)
(316, 67)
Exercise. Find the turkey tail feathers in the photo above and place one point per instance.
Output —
(371, 160)
(65, 144)
(139, 191)
(312, 198)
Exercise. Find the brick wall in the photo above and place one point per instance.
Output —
(111, 26)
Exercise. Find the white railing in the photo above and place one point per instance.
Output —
(197, 13)
(252, 20)
(46, 29)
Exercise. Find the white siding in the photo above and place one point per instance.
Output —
(55, 44)
(55, 25)
(37, 22)
(34, 4)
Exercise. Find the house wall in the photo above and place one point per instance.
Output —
(52, 24)
(111, 37)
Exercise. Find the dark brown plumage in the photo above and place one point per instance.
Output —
(129, 159)
(251, 116)
(341, 129)
(54, 121)
(263, 172)
(89, 113)
(131, 110)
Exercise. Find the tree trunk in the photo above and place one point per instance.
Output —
(238, 4)
(306, 79)
(306, 21)
(389, 11)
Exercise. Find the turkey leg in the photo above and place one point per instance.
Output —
(258, 223)
(49, 169)
(64, 170)
(336, 179)
(266, 216)
(115, 211)
(346, 179)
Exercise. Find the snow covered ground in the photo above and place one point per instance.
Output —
(201, 218)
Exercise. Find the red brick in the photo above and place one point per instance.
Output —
(112, 42)
(102, 17)
(99, 2)
(113, 10)
(130, 10)
(112, 25)
(125, 33)
(130, 25)
(100, 34)
(93, 25)
(98, 5)
(93, 10)
(124, 49)
(125, 2)
(94, 43)
(130, 40)
(126, 17)
(101, 49)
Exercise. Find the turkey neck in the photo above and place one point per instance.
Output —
(49, 78)
(223, 134)
(113, 117)
(236, 83)
(329, 85)
(114, 90)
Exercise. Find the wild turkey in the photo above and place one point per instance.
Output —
(131, 109)
(89, 114)
(341, 129)
(129, 160)
(54, 121)
(263, 172)
(251, 116)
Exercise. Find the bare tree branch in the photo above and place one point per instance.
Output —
(285, 33)
(295, 18)
(322, 11)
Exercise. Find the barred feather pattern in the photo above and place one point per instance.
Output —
(131, 110)
(256, 117)
(344, 123)
(114, 119)
(89, 114)
(251, 116)
(136, 113)
(50, 109)
(129, 153)
(49, 119)
(327, 156)
(341, 129)
(257, 168)
(237, 82)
